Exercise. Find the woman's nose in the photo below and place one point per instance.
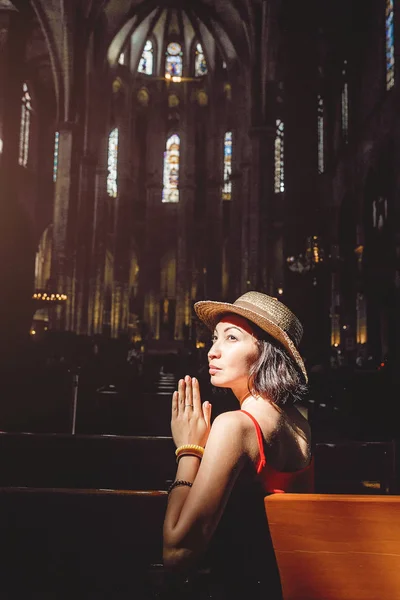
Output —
(214, 352)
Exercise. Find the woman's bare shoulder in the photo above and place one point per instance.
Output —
(230, 421)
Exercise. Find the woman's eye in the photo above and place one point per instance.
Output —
(232, 337)
(213, 339)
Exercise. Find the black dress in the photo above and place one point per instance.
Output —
(240, 562)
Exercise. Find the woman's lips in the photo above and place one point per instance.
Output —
(212, 370)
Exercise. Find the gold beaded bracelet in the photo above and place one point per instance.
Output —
(189, 449)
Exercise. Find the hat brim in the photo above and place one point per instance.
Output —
(210, 313)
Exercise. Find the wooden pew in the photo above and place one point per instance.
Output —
(356, 467)
(80, 461)
(60, 541)
(336, 547)
(63, 542)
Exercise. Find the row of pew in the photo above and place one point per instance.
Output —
(148, 463)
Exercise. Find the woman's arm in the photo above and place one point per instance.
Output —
(193, 513)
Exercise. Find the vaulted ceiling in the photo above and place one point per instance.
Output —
(225, 23)
(226, 26)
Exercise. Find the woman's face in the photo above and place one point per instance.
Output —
(233, 352)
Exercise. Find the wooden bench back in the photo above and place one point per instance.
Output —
(336, 547)
(71, 541)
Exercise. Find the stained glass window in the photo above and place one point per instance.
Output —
(55, 155)
(279, 157)
(26, 112)
(345, 104)
(171, 170)
(227, 187)
(379, 213)
(112, 188)
(147, 59)
(320, 117)
(173, 60)
(389, 45)
(200, 64)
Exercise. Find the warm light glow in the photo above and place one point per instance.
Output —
(49, 297)
(361, 311)
(177, 79)
(280, 291)
(167, 76)
(200, 345)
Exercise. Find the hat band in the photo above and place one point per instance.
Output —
(262, 313)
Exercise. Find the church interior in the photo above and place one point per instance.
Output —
(155, 153)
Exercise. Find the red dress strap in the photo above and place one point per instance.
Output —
(262, 462)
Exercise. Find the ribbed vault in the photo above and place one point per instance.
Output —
(224, 24)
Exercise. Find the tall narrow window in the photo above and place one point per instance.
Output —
(173, 60)
(320, 117)
(335, 311)
(279, 157)
(361, 308)
(147, 59)
(171, 169)
(55, 155)
(389, 45)
(26, 112)
(345, 104)
(227, 187)
(121, 59)
(200, 64)
(112, 161)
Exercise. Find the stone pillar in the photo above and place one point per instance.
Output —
(96, 298)
(213, 242)
(61, 272)
(84, 240)
(151, 279)
(123, 223)
(17, 247)
(273, 259)
(396, 225)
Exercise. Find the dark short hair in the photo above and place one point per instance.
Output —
(274, 373)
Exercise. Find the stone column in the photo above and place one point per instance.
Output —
(185, 227)
(396, 227)
(61, 272)
(213, 242)
(84, 243)
(151, 279)
(17, 244)
(123, 222)
(96, 297)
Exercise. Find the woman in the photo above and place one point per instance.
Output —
(225, 471)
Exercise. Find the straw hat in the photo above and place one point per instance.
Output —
(268, 313)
